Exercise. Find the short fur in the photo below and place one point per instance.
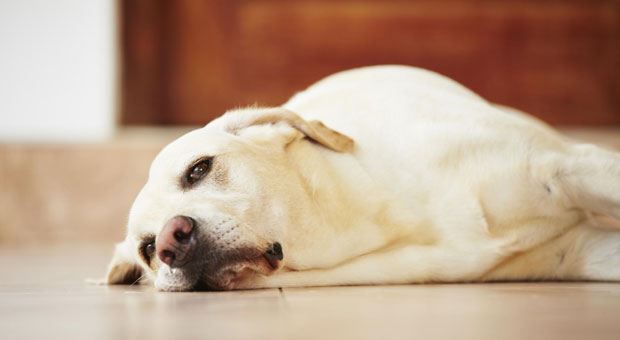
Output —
(380, 175)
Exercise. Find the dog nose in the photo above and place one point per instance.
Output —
(176, 240)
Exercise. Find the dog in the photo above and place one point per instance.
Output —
(377, 175)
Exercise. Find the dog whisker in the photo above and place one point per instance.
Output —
(138, 279)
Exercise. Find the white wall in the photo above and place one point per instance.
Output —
(57, 70)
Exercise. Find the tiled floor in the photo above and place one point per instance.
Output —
(43, 296)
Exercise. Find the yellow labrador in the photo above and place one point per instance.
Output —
(379, 175)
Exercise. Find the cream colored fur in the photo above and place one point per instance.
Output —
(412, 178)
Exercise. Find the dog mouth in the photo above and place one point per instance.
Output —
(230, 276)
(221, 272)
(273, 255)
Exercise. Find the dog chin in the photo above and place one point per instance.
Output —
(179, 280)
(174, 280)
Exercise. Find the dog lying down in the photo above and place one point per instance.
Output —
(379, 175)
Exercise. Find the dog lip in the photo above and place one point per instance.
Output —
(205, 286)
(274, 255)
(225, 275)
(273, 263)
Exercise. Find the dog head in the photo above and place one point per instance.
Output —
(220, 203)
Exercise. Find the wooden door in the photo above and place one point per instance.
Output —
(187, 61)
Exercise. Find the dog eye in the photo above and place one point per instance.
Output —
(199, 171)
(147, 251)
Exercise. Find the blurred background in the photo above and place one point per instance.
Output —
(185, 61)
(91, 90)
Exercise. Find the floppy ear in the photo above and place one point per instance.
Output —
(314, 130)
(123, 269)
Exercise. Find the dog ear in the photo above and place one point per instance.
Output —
(314, 130)
(123, 269)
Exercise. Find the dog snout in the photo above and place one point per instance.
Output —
(176, 241)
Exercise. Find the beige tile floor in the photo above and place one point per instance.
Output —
(43, 296)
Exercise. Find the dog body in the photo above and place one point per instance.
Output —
(379, 175)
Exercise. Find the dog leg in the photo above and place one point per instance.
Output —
(591, 178)
(404, 265)
(583, 253)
